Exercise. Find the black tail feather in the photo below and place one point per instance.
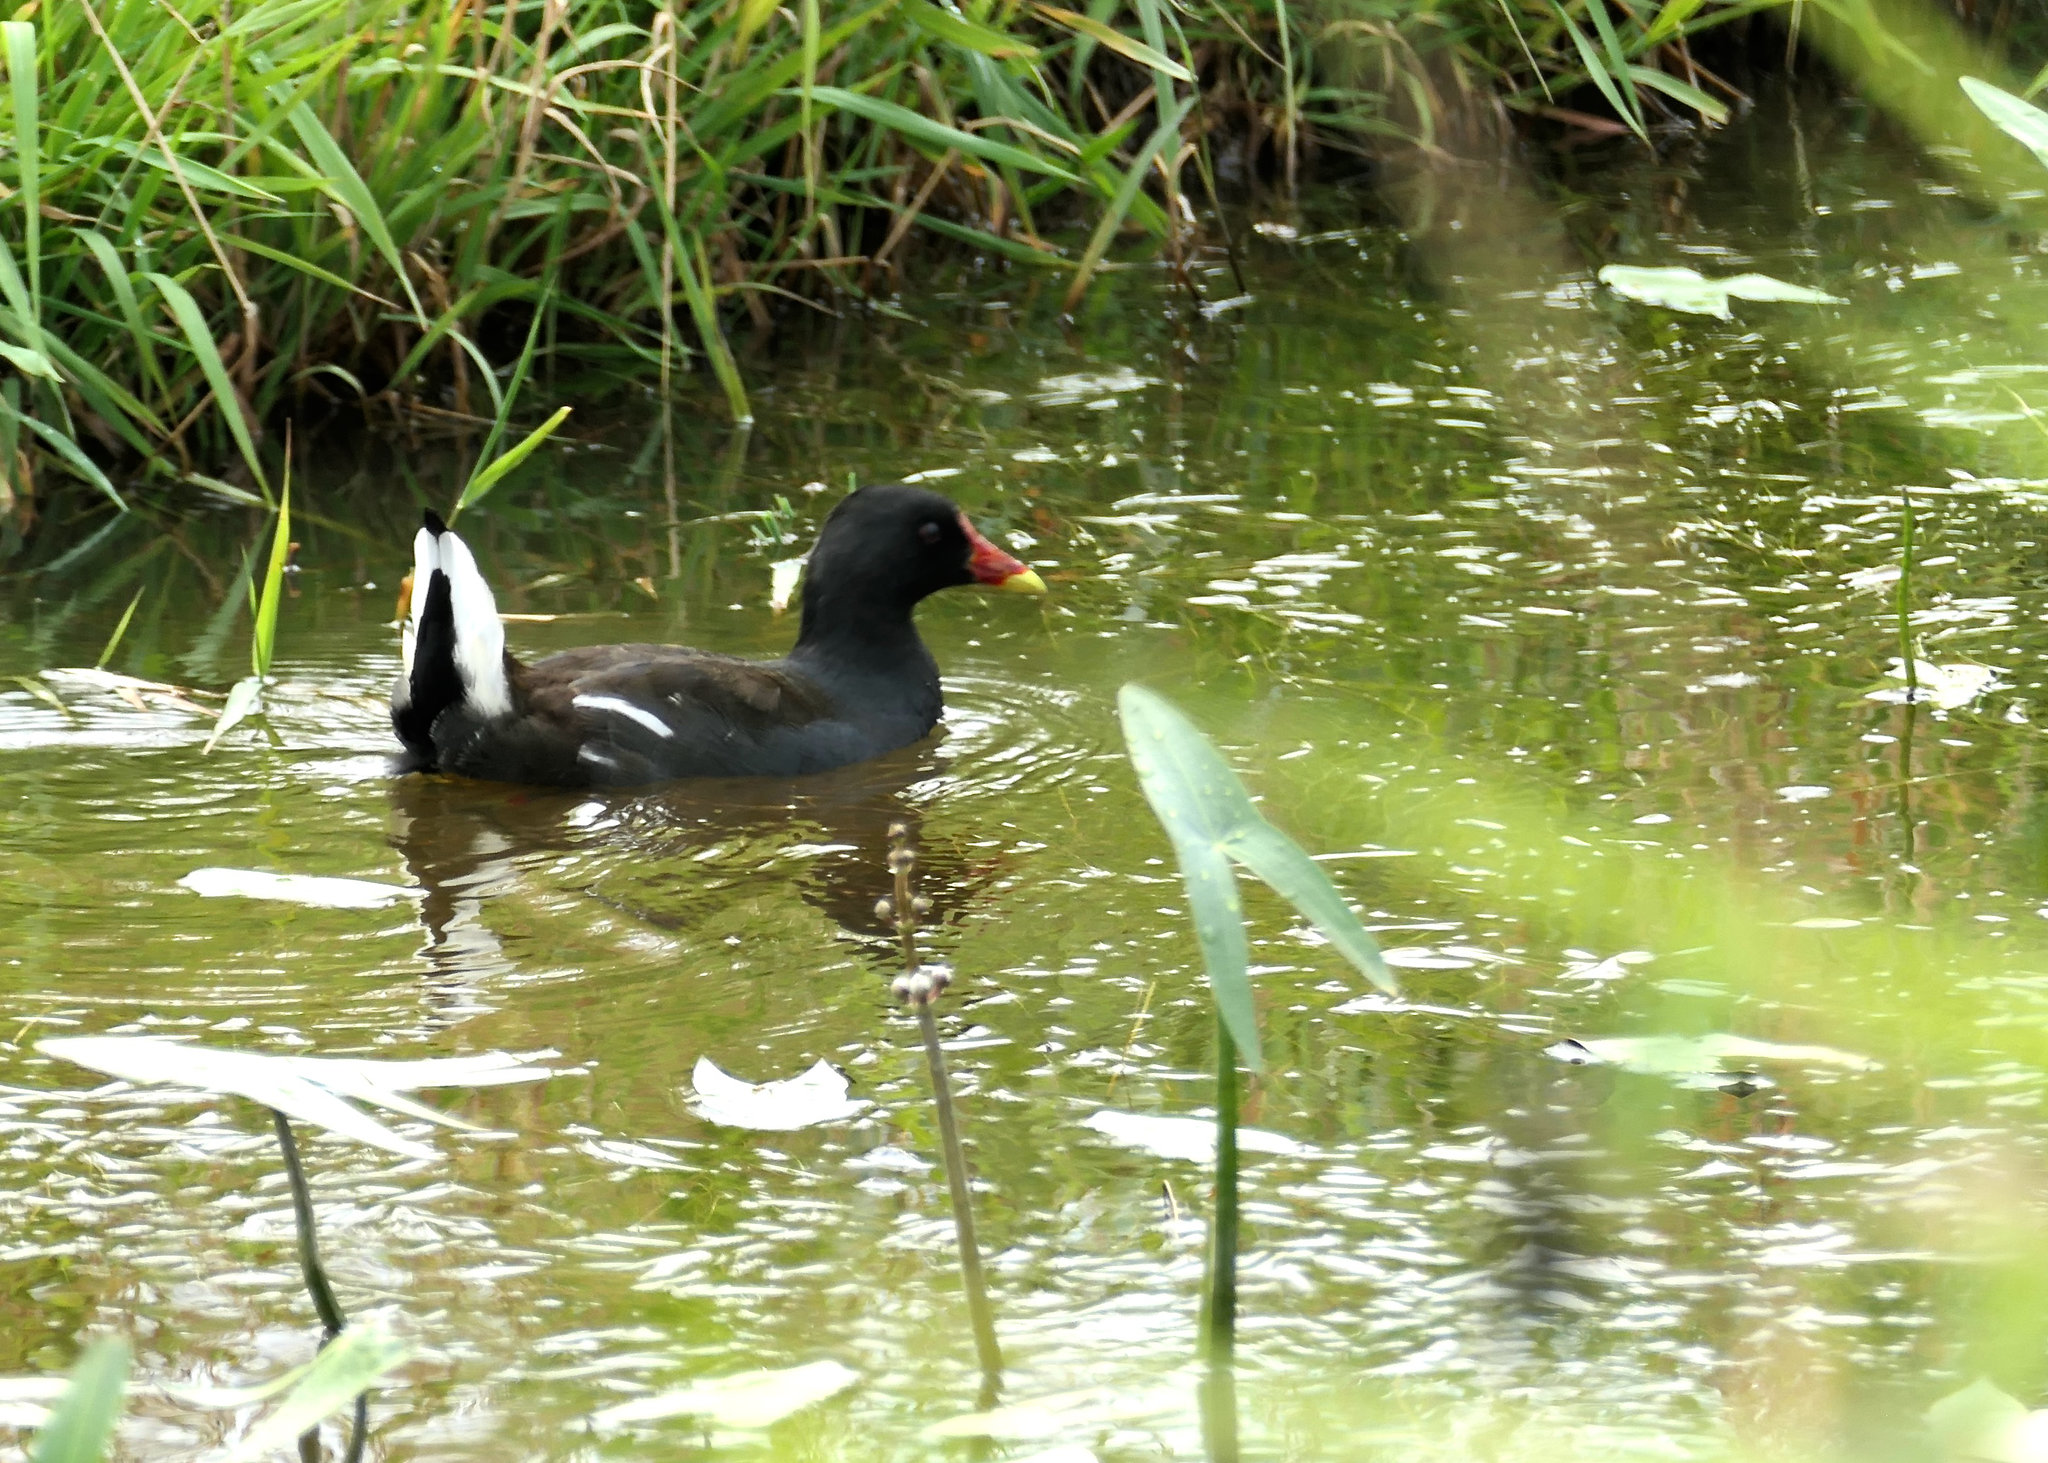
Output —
(435, 684)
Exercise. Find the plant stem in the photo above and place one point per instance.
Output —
(1219, 1303)
(331, 1319)
(1903, 600)
(978, 1312)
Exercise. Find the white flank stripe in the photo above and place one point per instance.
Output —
(479, 633)
(619, 706)
(592, 755)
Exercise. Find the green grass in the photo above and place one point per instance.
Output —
(222, 216)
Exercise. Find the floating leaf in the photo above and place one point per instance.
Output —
(749, 1400)
(1694, 293)
(313, 1089)
(1083, 1410)
(345, 1367)
(313, 890)
(1192, 1139)
(84, 1417)
(812, 1097)
(782, 578)
(2022, 121)
(1695, 1060)
(1950, 687)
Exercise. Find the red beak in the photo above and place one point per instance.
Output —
(991, 566)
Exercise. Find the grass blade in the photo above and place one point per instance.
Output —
(347, 187)
(489, 476)
(83, 1422)
(1126, 46)
(1596, 72)
(263, 638)
(920, 128)
(1163, 136)
(185, 310)
(19, 39)
(114, 640)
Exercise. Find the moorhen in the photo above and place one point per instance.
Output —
(858, 683)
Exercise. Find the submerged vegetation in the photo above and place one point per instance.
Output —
(220, 216)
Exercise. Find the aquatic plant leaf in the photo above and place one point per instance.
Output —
(243, 698)
(805, 1100)
(1980, 1423)
(2022, 121)
(1192, 1139)
(315, 891)
(1300, 880)
(347, 1365)
(313, 1089)
(84, 1417)
(745, 1400)
(1211, 820)
(1692, 292)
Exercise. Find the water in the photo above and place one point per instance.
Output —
(1551, 624)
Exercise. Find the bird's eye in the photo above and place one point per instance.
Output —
(928, 532)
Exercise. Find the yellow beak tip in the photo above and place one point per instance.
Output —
(1024, 582)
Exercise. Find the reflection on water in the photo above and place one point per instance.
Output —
(1553, 626)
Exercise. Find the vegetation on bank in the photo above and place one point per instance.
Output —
(218, 215)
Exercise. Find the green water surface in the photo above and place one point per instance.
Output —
(1550, 622)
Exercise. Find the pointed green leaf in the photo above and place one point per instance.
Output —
(488, 477)
(30, 363)
(347, 188)
(920, 128)
(1200, 803)
(263, 640)
(192, 321)
(84, 1419)
(243, 697)
(2022, 121)
(19, 39)
(1300, 880)
(346, 1366)
(943, 25)
(1126, 46)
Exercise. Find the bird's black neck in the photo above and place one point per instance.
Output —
(870, 650)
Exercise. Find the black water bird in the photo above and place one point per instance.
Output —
(858, 683)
